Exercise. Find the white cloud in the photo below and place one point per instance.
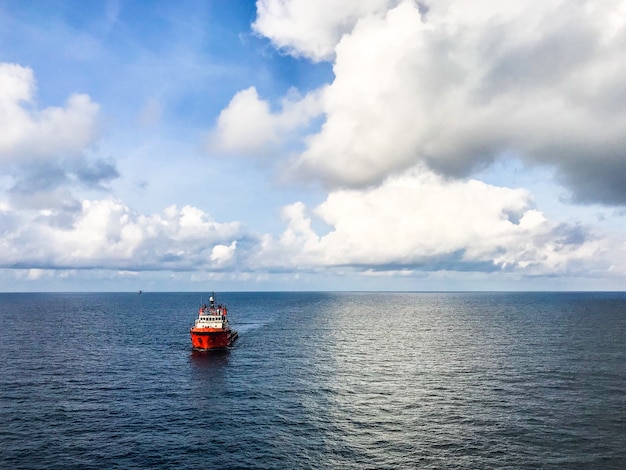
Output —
(223, 254)
(372, 120)
(457, 84)
(419, 221)
(248, 126)
(312, 29)
(54, 131)
(424, 94)
(245, 126)
(49, 151)
(411, 223)
(108, 234)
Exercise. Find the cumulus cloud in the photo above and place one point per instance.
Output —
(108, 234)
(420, 221)
(456, 85)
(312, 29)
(30, 133)
(46, 150)
(424, 94)
(45, 226)
(223, 254)
(415, 222)
(248, 126)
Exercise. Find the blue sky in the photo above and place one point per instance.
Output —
(296, 145)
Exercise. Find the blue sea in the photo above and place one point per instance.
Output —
(315, 381)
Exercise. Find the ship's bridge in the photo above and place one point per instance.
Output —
(211, 320)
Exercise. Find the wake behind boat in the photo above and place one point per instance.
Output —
(211, 329)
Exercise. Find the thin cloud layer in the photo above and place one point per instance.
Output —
(456, 85)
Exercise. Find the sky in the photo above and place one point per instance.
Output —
(431, 145)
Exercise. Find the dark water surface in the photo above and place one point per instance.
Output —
(315, 380)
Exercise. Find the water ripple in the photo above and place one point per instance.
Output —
(316, 380)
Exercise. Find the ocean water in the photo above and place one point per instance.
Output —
(315, 380)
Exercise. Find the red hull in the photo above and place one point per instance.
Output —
(209, 338)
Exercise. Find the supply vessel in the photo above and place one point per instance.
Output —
(211, 330)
